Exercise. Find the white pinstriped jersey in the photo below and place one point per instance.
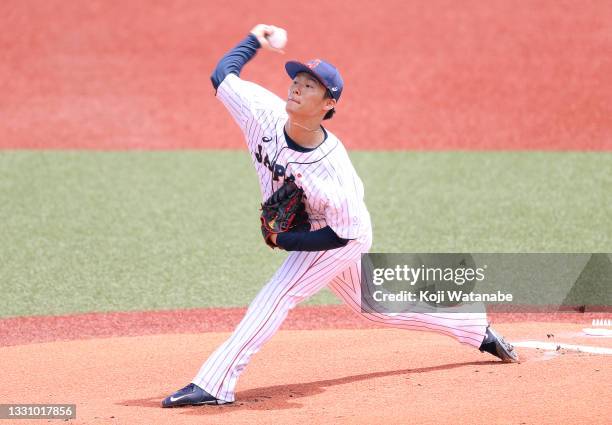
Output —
(333, 190)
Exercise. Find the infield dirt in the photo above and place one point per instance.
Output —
(320, 375)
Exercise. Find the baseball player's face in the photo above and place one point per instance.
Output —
(307, 97)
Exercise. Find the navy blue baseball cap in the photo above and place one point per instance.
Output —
(325, 72)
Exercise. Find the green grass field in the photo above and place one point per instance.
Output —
(109, 231)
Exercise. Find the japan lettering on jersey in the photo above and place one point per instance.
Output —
(333, 190)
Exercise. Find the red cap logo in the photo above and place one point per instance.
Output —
(313, 63)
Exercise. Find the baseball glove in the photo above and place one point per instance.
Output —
(284, 211)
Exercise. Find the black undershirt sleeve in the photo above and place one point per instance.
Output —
(319, 240)
(233, 61)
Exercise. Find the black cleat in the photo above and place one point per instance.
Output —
(191, 395)
(495, 344)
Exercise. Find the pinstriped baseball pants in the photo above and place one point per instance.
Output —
(301, 275)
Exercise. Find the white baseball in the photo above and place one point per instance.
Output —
(278, 38)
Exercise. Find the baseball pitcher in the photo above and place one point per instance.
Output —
(312, 207)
